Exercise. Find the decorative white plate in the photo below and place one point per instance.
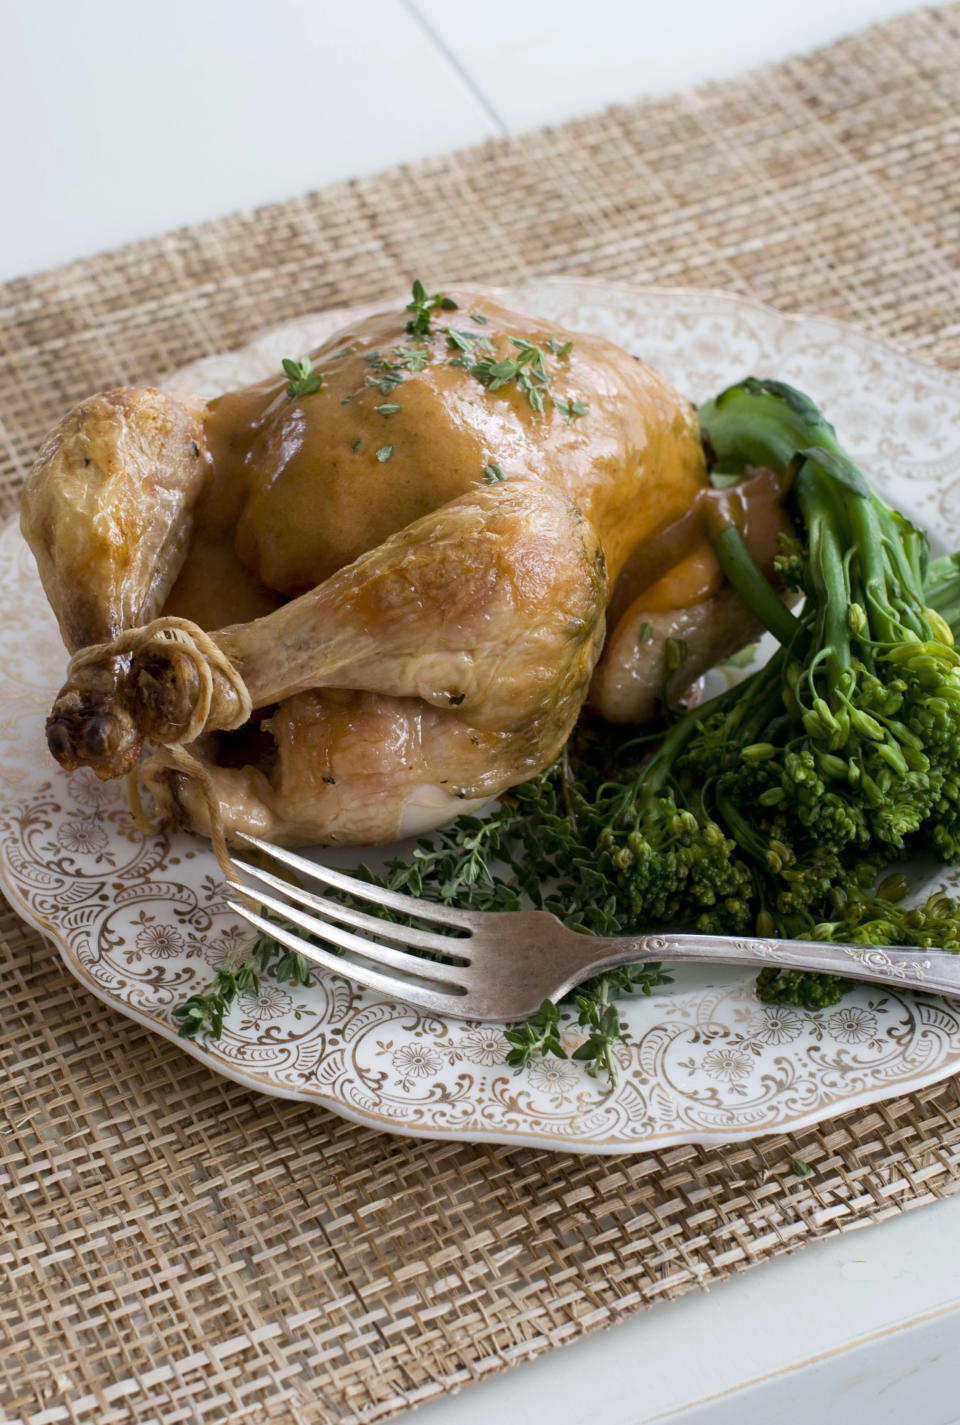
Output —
(141, 922)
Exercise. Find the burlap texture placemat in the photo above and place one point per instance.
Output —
(177, 1248)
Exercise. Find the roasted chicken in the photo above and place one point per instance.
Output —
(377, 599)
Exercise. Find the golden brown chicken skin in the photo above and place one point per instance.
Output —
(405, 570)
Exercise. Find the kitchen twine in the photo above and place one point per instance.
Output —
(206, 656)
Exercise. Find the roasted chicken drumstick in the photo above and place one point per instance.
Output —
(373, 600)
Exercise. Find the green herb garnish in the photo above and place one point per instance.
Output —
(492, 474)
(529, 370)
(411, 358)
(463, 341)
(571, 409)
(384, 453)
(494, 374)
(539, 1035)
(204, 1013)
(386, 385)
(389, 408)
(675, 654)
(423, 308)
(389, 376)
(303, 379)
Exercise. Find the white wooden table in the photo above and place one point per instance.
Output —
(118, 122)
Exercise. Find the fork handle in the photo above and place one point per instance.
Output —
(936, 971)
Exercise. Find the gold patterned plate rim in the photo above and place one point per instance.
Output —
(141, 922)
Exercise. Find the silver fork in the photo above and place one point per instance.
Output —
(502, 965)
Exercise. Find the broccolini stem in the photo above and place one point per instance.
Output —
(915, 546)
(660, 768)
(748, 579)
(942, 590)
(741, 831)
(826, 573)
(877, 555)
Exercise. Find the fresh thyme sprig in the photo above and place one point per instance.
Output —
(460, 341)
(540, 847)
(303, 379)
(528, 369)
(540, 1035)
(423, 308)
(205, 1012)
(599, 1016)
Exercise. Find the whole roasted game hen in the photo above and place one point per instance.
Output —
(375, 590)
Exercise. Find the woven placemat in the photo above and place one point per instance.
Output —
(175, 1248)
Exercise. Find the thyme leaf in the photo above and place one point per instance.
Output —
(303, 379)
(539, 1035)
(462, 341)
(423, 307)
(571, 409)
(204, 1013)
(411, 358)
(528, 369)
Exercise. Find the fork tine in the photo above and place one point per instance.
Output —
(410, 905)
(403, 934)
(370, 950)
(396, 989)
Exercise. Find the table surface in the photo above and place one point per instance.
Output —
(115, 126)
(233, 103)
